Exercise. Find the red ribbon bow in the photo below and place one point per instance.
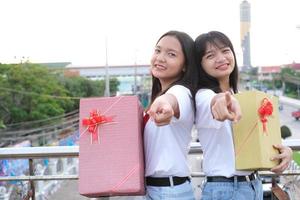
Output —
(265, 110)
(93, 121)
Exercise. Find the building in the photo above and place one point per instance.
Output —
(132, 78)
(268, 72)
(99, 72)
(245, 20)
(55, 65)
(294, 66)
(273, 72)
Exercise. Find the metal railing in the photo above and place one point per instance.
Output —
(73, 151)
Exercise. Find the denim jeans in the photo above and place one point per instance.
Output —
(178, 192)
(233, 190)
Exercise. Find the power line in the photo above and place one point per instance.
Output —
(36, 94)
(66, 115)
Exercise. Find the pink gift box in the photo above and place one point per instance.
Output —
(111, 161)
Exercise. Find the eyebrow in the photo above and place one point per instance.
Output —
(207, 52)
(168, 49)
(211, 51)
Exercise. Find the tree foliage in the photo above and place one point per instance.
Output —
(291, 89)
(82, 87)
(285, 131)
(288, 70)
(33, 92)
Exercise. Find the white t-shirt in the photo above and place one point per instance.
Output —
(215, 138)
(166, 147)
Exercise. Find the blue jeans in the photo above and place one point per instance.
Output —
(178, 192)
(233, 190)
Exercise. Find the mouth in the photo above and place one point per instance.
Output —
(160, 67)
(224, 66)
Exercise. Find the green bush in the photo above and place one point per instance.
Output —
(285, 132)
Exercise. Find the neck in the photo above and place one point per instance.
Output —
(224, 85)
(165, 83)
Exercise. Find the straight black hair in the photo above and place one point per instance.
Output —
(215, 38)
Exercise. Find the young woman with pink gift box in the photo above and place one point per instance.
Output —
(215, 109)
(166, 142)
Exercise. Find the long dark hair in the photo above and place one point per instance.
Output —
(201, 43)
(189, 76)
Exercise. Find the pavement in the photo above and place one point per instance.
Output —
(69, 191)
(290, 101)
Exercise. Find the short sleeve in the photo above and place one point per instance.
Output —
(204, 117)
(185, 102)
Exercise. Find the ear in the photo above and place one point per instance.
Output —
(183, 69)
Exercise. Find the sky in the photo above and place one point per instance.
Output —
(80, 31)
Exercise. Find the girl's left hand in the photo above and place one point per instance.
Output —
(285, 158)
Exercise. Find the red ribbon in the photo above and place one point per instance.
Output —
(145, 118)
(94, 121)
(265, 110)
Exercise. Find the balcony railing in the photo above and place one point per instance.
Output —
(31, 153)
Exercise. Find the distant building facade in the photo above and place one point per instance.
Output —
(268, 72)
(271, 72)
(295, 66)
(99, 72)
(55, 65)
(132, 78)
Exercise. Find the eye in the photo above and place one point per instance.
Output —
(226, 50)
(156, 50)
(209, 56)
(171, 54)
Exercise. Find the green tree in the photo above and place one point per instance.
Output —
(113, 86)
(285, 132)
(33, 92)
(290, 89)
(79, 87)
(2, 124)
(287, 70)
(28, 93)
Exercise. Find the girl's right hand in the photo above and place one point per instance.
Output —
(163, 109)
(225, 106)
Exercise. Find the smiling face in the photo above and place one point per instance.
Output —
(167, 62)
(218, 61)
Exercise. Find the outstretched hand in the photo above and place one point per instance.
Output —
(285, 157)
(225, 106)
(163, 109)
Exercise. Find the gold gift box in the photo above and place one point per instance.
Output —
(258, 130)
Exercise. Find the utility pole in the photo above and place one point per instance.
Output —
(107, 92)
(135, 73)
(298, 86)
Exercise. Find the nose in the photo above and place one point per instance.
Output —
(160, 57)
(220, 58)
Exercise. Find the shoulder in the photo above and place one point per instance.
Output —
(179, 90)
(205, 93)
